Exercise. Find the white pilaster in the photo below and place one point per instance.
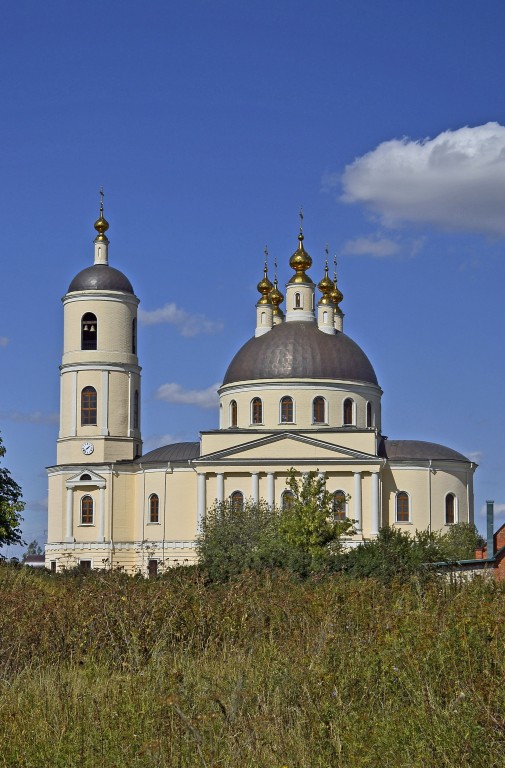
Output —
(270, 489)
(255, 487)
(357, 513)
(130, 405)
(105, 402)
(201, 500)
(69, 536)
(375, 522)
(101, 514)
(74, 403)
(220, 486)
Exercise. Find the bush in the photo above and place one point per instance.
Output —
(460, 542)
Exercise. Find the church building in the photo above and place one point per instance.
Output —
(300, 393)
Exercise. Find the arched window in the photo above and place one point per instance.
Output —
(348, 411)
(136, 410)
(369, 415)
(287, 500)
(237, 500)
(86, 510)
(154, 508)
(287, 410)
(89, 331)
(450, 509)
(318, 410)
(134, 336)
(298, 301)
(85, 477)
(340, 505)
(88, 406)
(233, 413)
(257, 411)
(402, 507)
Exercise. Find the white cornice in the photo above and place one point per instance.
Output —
(312, 384)
(122, 298)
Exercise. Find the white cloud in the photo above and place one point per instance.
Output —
(455, 181)
(378, 247)
(475, 456)
(188, 324)
(499, 511)
(174, 393)
(38, 505)
(3, 341)
(156, 441)
(35, 417)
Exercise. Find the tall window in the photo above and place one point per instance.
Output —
(402, 507)
(86, 510)
(88, 406)
(348, 411)
(339, 505)
(318, 415)
(136, 410)
(152, 568)
(298, 301)
(287, 410)
(233, 413)
(154, 508)
(369, 414)
(237, 500)
(89, 330)
(287, 500)
(450, 509)
(257, 411)
(134, 336)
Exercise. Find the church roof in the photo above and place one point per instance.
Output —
(300, 350)
(172, 452)
(100, 277)
(417, 449)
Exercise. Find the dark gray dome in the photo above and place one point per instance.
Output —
(299, 350)
(100, 277)
(417, 449)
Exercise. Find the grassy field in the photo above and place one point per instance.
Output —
(107, 670)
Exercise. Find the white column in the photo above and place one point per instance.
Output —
(105, 402)
(375, 504)
(69, 533)
(255, 487)
(357, 513)
(220, 486)
(101, 514)
(201, 501)
(270, 489)
(73, 429)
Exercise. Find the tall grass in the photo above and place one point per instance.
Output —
(110, 670)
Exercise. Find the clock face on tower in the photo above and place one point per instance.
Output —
(87, 448)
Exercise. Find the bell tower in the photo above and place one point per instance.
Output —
(100, 372)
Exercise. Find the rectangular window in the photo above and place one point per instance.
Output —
(85, 565)
(53, 566)
(152, 568)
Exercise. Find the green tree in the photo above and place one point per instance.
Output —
(235, 538)
(460, 542)
(310, 524)
(11, 506)
(394, 555)
(33, 548)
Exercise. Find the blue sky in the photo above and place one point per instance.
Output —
(209, 124)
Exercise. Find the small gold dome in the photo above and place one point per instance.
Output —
(325, 286)
(276, 298)
(264, 287)
(300, 261)
(101, 225)
(335, 295)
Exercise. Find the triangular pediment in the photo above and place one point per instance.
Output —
(86, 477)
(287, 446)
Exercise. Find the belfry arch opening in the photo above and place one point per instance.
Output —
(89, 331)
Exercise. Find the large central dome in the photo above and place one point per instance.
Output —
(299, 350)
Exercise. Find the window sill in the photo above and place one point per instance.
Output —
(320, 424)
(403, 522)
(158, 523)
(85, 525)
(287, 423)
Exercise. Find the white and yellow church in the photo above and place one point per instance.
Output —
(299, 393)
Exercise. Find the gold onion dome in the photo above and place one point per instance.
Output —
(101, 225)
(276, 298)
(265, 287)
(326, 287)
(300, 261)
(335, 295)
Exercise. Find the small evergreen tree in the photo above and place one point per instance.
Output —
(11, 506)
